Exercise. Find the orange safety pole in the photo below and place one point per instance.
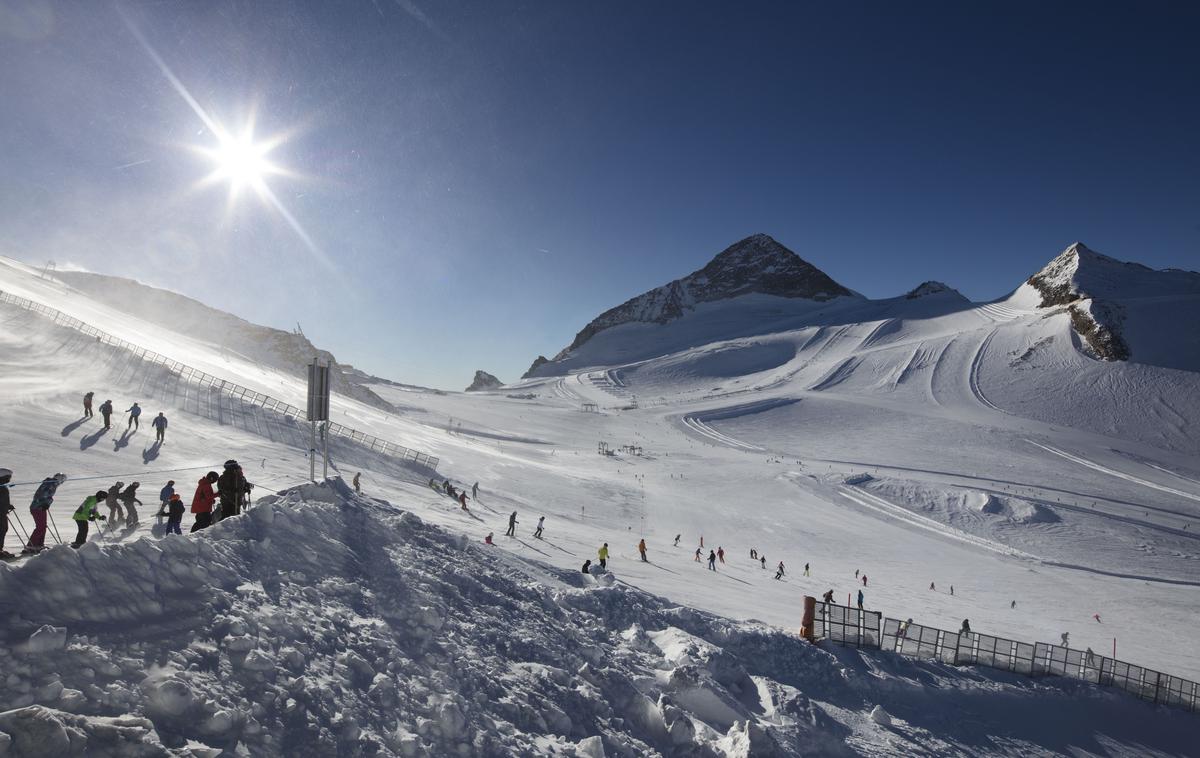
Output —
(810, 613)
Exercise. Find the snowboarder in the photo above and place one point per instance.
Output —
(642, 549)
(827, 597)
(763, 560)
(965, 628)
(1066, 638)
(475, 491)
(202, 501)
(488, 539)
(43, 498)
(160, 427)
(358, 484)
(512, 525)
(5, 506)
(85, 513)
(113, 501)
(806, 570)
(128, 498)
(721, 553)
(864, 578)
(87, 405)
(164, 498)
(603, 555)
(175, 509)
(677, 536)
(541, 523)
(231, 485)
(134, 411)
(779, 571)
(697, 555)
(106, 410)
(587, 566)
(860, 598)
(712, 560)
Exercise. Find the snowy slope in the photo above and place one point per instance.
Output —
(1002, 459)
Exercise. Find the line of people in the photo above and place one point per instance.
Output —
(208, 505)
(133, 421)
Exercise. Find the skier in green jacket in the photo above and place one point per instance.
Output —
(85, 513)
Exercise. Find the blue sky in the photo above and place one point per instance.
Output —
(484, 178)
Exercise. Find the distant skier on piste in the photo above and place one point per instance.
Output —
(39, 509)
(175, 509)
(763, 559)
(86, 513)
(512, 525)
(827, 597)
(128, 498)
(106, 411)
(164, 497)
(720, 554)
(677, 538)
(160, 427)
(698, 555)
(712, 560)
(642, 549)
(87, 405)
(780, 572)
(965, 628)
(860, 598)
(135, 412)
(113, 500)
(203, 500)
(357, 483)
(5, 506)
(541, 525)
(602, 553)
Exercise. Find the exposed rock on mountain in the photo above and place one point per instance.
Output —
(930, 288)
(484, 381)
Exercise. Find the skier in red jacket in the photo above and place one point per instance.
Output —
(203, 500)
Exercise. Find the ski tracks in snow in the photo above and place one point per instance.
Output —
(698, 421)
(1113, 472)
(973, 373)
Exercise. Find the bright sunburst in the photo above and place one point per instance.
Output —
(242, 162)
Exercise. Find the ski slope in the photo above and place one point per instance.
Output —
(992, 465)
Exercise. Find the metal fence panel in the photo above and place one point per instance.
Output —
(848, 626)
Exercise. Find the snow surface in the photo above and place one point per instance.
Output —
(987, 452)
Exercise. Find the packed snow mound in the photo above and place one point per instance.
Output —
(1015, 509)
(291, 352)
(755, 265)
(324, 623)
(484, 381)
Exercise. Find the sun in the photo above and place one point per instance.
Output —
(241, 161)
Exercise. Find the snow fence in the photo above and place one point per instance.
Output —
(869, 629)
(202, 379)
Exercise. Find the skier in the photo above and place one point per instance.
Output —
(164, 498)
(1089, 658)
(965, 628)
(106, 410)
(128, 498)
(587, 566)
(462, 500)
(697, 555)
(677, 536)
(231, 485)
(827, 597)
(202, 501)
(512, 525)
(1013, 605)
(932, 587)
(779, 572)
(175, 508)
(43, 498)
(113, 501)
(603, 554)
(538, 532)
(753, 554)
(642, 549)
(904, 628)
(1066, 639)
(952, 590)
(5, 506)
(1097, 617)
(806, 570)
(87, 405)
(712, 560)
(763, 559)
(855, 573)
(475, 491)
(488, 539)
(860, 598)
(134, 412)
(160, 427)
(864, 578)
(721, 553)
(358, 487)
(433, 485)
(85, 513)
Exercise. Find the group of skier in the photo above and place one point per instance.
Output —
(133, 421)
(209, 505)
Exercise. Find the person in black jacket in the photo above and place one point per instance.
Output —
(5, 506)
(175, 514)
(231, 488)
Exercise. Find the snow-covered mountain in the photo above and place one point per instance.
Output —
(975, 461)
(290, 351)
(484, 381)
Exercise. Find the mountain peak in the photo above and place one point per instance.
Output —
(1079, 272)
(484, 381)
(931, 287)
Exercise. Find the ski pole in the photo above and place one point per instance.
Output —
(23, 531)
(54, 526)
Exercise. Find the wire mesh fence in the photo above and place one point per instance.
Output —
(852, 626)
(204, 379)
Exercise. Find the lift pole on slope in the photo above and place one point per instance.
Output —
(318, 410)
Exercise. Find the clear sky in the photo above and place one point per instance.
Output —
(476, 181)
